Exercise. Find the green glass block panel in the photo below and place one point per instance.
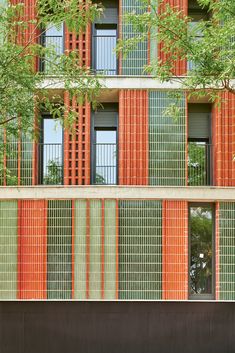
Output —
(8, 249)
(227, 251)
(140, 249)
(95, 250)
(110, 249)
(167, 140)
(80, 250)
(59, 249)
(137, 58)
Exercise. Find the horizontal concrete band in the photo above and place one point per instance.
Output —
(124, 82)
(209, 194)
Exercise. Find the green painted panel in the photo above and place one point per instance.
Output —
(110, 249)
(167, 140)
(59, 249)
(8, 249)
(137, 58)
(95, 249)
(140, 249)
(227, 251)
(80, 250)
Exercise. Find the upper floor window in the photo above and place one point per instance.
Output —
(51, 152)
(104, 40)
(200, 150)
(52, 38)
(104, 146)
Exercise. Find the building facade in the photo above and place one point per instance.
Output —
(136, 204)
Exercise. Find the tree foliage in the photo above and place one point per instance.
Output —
(24, 90)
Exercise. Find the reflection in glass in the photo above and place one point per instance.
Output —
(201, 230)
(51, 152)
(199, 156)
(106, 157)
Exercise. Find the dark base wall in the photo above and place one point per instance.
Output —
(67, 327)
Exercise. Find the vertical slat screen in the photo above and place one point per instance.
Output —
(224, 140)
(8, 250)
(110, 249)
(137, 58)
(59, 249)
(32, 249)
(227, 250)
(80, 247)
(175, 250)
(167, 139)
(77, 146)
(95, 249)
(180, 66)
(133, 137)
(140, 249)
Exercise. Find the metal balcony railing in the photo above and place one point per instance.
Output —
(105, 169)
(56, 44)
(199, 164)
(50, 163)
(104, 59)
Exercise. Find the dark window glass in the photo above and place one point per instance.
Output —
(201, 250)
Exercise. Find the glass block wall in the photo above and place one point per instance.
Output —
(167, 139)
(227, 251)
(106, 249)
(140, 249)
(134, 62)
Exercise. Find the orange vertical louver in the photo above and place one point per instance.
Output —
(77, 146)
(133, 137)
(175, 250)
(180, 67)
(224, 140)
(77, 143)
(32, 249)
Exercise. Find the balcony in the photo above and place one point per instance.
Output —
(50, 163)
(105, 164)
(199, 164)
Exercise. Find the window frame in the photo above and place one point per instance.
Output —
(204, 296)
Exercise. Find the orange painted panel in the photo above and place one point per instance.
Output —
(32, 249)
(224, 140)
(133, 137)
(175, 250)
(180, 67)
(77, 146)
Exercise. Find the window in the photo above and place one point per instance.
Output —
(197, 14)
(104, 44)
(199, 145)
(104, 146)
(201, 250)
(52, 37)
(51, 152)
(104, 40)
